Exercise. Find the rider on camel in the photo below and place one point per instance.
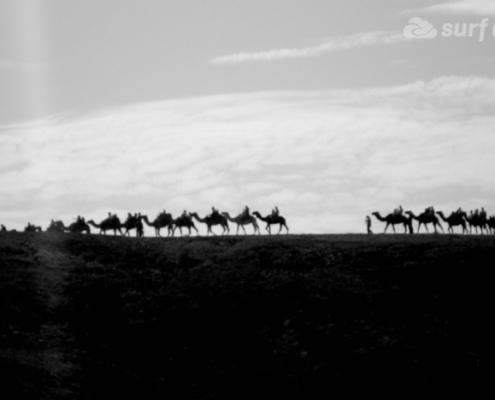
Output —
(275, 212)
(245, 212)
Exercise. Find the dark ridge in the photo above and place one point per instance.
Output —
(307, 316)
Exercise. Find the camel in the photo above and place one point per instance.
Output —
(394, 219)
(476, 221)
(133, 222)
(162, 221)
(184, 221)
(242, 220)
(77, 227)
(271, 220)
(110, 223)
(213, 219)
(426, 218)
(454, 220)
(491, 224)
(32, 228)
(55, 226)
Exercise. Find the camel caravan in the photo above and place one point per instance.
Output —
(165, 220)
(476, 219)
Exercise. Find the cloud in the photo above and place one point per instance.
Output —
(330, 45)
(325, 158)
(476, 7)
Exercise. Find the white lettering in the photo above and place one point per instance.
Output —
(447, 30)
(472, 27)
(457, 30)
(483, 26)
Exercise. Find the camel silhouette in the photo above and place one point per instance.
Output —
(491, 224)
(32, 228)
(162, 221)
(242, 220)
(476, 221)
(272, 220)
(454, 220)
(77, 227)
(394, 219)
(133, 222)
(211, 220)
(56, 226)
(426, 218)
(184, 221)
(108, 224)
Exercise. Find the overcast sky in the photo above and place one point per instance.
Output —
(329, 110)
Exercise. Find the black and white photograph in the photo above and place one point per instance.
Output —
(247, 199)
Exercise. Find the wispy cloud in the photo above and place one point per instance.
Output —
(333, 44)
(476, 7)
(325, 158)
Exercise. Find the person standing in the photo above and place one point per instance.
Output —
(368, 225)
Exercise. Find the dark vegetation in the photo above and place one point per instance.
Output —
(326, 316)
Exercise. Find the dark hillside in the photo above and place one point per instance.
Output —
(312, 316)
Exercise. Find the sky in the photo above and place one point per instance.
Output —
(329, 110)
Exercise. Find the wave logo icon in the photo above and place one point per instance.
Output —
(419, 29)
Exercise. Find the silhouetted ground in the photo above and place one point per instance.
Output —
(306, 316)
